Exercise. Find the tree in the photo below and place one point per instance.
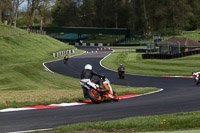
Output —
(132, 15)
(138, 15)
(145, 14)
(65, 13)
(177, 13)
(109, 13)
(44, 10)
(193, 21)
(5, 10)
(87, 13)
(2, 7)
(123, 14)
(16, 4)
(32, 6)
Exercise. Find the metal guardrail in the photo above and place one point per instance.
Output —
(106, 44)
(92, 44)
(64, 52)
(170, 56)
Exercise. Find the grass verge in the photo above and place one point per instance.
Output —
(23, 80)
(134, 64)
(169, 122)
(6, 31)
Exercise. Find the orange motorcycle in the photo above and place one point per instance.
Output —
(94, 92)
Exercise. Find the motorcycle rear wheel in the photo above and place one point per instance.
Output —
(94, 96)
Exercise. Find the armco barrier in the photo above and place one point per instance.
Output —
(92, 44)
(106, 44)
(64, 52)
(169, 56)
(133, 44)
(146, 50)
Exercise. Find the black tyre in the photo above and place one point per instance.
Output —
(94, 96)
(106, 99)
(116, 99)
(122, 75)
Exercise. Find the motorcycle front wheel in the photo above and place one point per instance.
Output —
(116, 97)
(94, 96)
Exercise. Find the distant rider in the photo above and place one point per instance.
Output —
(66, 58)
(121, 71)
(88, 73)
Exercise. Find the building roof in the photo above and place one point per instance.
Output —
(183, 42)
(71, 36)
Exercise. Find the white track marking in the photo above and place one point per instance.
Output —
(46, 68)
(145, 94)
(28, 131)
(15, 109)
(67, 104)
(47, 106)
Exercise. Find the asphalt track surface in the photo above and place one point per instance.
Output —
(179, 95)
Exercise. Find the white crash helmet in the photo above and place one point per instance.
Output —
(88, 66)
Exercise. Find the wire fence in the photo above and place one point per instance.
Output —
(170, 56)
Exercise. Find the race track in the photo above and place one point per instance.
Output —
(179, 95)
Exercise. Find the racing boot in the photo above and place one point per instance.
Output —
(85, 95)
(85, 92)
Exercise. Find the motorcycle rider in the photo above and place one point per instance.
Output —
(88, 73)
(66, 58)
(121, 70)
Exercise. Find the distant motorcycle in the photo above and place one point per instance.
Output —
(94, 92)
(196, 77)
(121, 73)
(66, 58)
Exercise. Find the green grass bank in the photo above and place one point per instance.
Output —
(134, 64)
(23, 79)
(169, 122)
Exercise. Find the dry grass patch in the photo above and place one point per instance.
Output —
(38, 95)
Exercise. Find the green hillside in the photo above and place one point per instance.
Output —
(22, 76)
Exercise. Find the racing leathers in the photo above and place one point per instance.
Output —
(89, 74)
(121, 71)
(66, 58)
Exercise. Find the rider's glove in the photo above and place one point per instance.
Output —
(103, 76)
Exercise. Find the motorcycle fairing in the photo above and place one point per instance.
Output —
(196, 75)
(87, 83)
